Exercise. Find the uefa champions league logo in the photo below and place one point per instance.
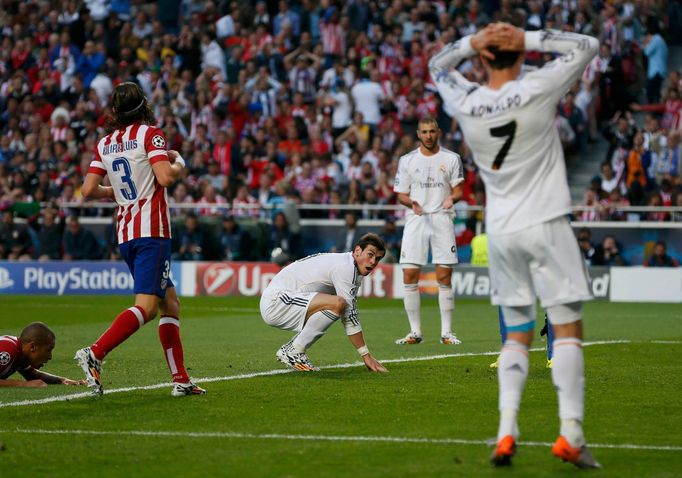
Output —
(5, 281)
(4, 358)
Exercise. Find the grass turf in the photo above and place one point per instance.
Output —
(632, 397)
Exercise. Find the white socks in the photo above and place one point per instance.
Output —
(512, 373)
(446, 303)
(314, 328)
(412, 302)
(568, 375)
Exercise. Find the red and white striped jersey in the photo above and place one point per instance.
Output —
(10, 351)
(126, 156)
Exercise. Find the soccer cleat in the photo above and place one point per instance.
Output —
(549, 363)
(409, 339)
(298, 361)
(92, 368)
(450, 339)
(580, 457)
(184, 389)
(504, 451)
(496, 363)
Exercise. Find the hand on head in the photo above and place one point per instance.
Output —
(502, 36)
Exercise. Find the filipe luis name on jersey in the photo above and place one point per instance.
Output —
(494, 108)
(119, 147)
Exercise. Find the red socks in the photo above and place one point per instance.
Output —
(125, 325)
(169, 333)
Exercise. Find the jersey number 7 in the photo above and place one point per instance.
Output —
(508, 131)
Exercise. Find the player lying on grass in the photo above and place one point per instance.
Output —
(26, 354)
(309, 295)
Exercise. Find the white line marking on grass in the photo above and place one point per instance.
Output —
(357, 438)
(279, 371)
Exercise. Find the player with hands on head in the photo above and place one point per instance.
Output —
(308, 296)
(26, 354)
(133, 156)
(508, 124)
(429, 181)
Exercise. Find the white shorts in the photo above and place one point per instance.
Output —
(429, 230)
(285, 309)
(543, 261)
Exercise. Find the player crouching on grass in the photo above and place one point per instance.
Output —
(26, 354)
(309, 295)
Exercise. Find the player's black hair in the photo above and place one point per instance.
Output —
(38, 333)
(371, 239)
(128, 106)
(503, 59)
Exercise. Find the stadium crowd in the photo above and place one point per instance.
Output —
(310, 102)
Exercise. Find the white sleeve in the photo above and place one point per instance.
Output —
(457, 175)
(342, 278)
(556, 77)
(452, 85)
(401, 183)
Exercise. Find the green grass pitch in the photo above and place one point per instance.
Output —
(426, 418)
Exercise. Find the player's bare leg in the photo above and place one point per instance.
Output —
(169, 334)
(412, 302)
(446, 304)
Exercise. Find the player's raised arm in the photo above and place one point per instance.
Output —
(576, 52)
(443, 71)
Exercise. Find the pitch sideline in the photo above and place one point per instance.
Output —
(279, 371)
(332, 438)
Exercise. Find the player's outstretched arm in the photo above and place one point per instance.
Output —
(33, 375)
(372, 364)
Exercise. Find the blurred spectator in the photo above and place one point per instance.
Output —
(608, 253)
(393, 239)
(50, 236)
(656, 51)
(79, 244)
(15, 240)
(284, 245)
(660, 257)
(350, 233)
(191, 240)
(235, 242)
(587, 249)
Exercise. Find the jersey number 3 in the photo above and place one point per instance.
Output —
(130, 193)
(505, 131)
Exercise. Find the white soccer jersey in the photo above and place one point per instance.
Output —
(126, 156)
(429, 179)
(334, 274)
(511, 130)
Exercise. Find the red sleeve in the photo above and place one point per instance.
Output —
(155, 145)
(9, 351)
(97, 166)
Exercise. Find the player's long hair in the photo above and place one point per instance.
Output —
(128, 106)
(503, 59)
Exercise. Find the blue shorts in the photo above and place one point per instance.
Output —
(148, 259)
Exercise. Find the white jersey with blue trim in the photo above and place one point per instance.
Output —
(511, 130)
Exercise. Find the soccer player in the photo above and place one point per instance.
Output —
(508, 123)
(309, 295)
(133, 155)
(26, 354)
(429, 182)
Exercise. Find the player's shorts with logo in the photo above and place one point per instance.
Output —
(541, 261)
(429, 230)
(285, 309)
(148, 259)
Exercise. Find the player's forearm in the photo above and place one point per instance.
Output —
(47, 378)
(581, 47)
(450, 56)
(405, 200)
(13, 383)
(102, 192)
(358, 341)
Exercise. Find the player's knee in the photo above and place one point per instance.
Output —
(520, 322)
(564, 314)
(339, 306)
